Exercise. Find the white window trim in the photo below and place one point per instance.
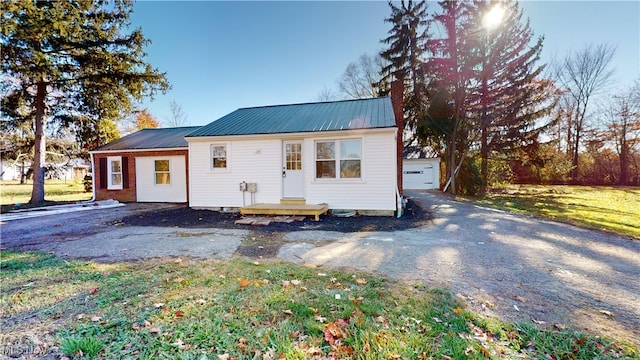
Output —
(228, 149)
(110, 184)
(155, 172)
(337, 160)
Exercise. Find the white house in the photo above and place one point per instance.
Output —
(342, 153)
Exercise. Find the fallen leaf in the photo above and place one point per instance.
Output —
(295, 282)
(559, 326)
(361, 281)
(518, 298)
(155, 330)
(458, 310)
(606, 312)
(244, 282)
(286, 283)
(288, 312)
(96, 318)
(179, 313)
(201, 301)
(178, 280)
(93, 291)
(177, 261)
(539, 322)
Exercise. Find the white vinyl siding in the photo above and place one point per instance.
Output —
(260, 160)
(150, 169)
(374, 190)
(251, 161)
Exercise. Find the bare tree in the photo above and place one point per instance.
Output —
(328, 94)
(582, 74)
(622, 116)
(360, 79)
(178, 116)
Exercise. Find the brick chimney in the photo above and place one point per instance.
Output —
(397, 95)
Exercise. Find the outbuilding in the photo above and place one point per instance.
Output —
(421, 174)
(150, 165)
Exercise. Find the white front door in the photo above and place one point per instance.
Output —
(292, 177)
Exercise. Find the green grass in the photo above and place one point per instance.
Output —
(12, 192)
(236, 309)
(613, 209)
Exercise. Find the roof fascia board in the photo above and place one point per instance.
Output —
(310, 134)
(136, 150)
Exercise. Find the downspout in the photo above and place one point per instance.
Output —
(93, 180)
(399, 204)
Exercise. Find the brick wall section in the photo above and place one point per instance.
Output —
(397, 94)
(129, 194)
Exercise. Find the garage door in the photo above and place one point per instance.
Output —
(419, 176)
(161, 179)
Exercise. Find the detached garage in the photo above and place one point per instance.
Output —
(150, 165)
(421, 174)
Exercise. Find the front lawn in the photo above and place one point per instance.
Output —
(614, 209)
(183, 309)
(12, 192)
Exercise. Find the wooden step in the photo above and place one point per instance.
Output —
(285, 209)
(293, 201)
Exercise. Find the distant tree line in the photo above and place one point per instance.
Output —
(477, 96)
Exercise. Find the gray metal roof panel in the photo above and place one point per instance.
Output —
(308, 117)
(159, 138)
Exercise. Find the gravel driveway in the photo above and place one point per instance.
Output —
(500, 264)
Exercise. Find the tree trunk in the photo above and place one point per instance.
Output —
(484, 146)
(37, 193)
(624, 162)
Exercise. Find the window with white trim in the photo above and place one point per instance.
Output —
(339, 159)
(162, 172)
(219, 157)
(114, 172)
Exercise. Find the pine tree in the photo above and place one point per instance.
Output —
(405, 57)
(513, 98)
(70, 61)
(450, 68)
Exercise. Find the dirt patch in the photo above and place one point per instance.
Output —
(414, 216)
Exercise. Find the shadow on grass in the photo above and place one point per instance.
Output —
(549, 206)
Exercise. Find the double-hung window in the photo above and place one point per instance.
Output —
(162, 172)
(219, 157)
(339, 159)
(114, 172)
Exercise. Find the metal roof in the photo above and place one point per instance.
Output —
(159, 138)
(309, 117)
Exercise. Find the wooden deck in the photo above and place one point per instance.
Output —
(285, 209)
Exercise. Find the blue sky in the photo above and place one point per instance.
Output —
(221, 56)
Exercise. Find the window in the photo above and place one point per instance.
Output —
(294, 156)
(162, 174)
(114, 172)
(219, 156)
(344, 155)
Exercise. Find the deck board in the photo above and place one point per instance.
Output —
(285, 209)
